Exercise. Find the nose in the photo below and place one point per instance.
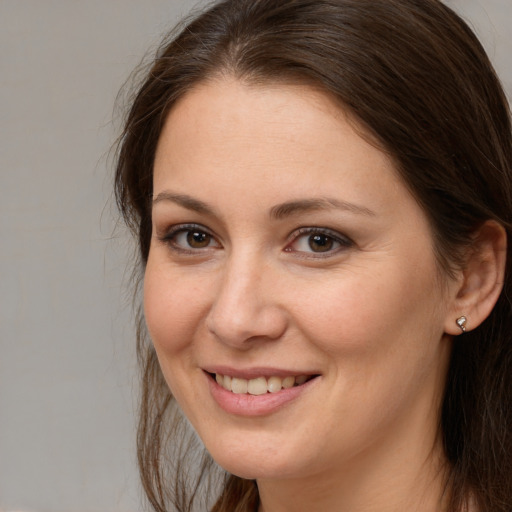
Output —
(245, 308)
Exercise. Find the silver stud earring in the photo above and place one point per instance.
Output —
(461, 322)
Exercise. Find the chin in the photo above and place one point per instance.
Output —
(258, 459)
(254, 470)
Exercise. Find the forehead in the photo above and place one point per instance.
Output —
(226, 130)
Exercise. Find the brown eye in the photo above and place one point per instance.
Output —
(198, 239)
(189, 238)
(320, 243)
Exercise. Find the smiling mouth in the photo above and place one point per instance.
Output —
(259, 385)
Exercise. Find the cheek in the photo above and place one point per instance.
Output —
(364, 313)
(172, 307)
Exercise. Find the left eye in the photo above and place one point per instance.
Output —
(318, 242)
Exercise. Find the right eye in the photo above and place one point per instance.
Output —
(189, 238)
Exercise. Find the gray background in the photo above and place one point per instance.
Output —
(67, 370)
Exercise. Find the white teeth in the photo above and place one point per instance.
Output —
(239, 386)
(259, 385)
(288, 382)
(274, 384)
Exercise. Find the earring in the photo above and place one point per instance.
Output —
(461, 322)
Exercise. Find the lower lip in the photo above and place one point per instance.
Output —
(256, 405)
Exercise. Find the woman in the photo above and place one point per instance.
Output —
(321, 195)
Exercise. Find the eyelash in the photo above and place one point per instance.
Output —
(330, 236)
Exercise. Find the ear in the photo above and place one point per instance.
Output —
(481, 280)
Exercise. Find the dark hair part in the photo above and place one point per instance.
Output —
(420, 83)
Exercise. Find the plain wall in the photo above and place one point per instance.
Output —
(67, 370)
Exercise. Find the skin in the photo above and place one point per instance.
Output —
(368, 316)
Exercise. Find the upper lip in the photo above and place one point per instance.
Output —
(254, 372)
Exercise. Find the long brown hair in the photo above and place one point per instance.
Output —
(418, 80)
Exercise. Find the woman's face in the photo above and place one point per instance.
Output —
(289, 262)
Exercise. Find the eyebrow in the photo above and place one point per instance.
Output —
(323, 203)
(277, 212)
(185, 201)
